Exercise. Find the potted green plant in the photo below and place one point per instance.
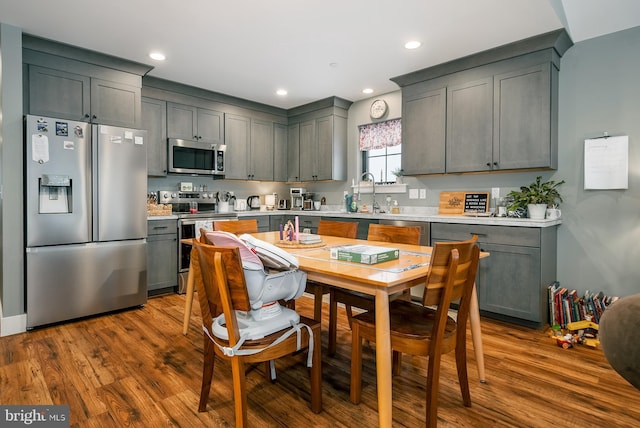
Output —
(536, 197)
(398, 174)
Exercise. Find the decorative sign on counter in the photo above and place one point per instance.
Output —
(458, 203)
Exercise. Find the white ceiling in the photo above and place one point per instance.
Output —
(313, 49)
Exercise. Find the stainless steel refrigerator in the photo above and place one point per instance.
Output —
(85, 219)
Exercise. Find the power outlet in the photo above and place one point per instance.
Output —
(423, 193)
(495, 192)
(413, 193)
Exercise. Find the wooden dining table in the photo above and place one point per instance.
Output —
(379, 280)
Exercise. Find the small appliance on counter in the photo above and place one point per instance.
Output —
(270, 201)
(297, 198)
(253, 202)
(284, 204)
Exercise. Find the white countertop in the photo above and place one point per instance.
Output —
(427, 215)
(414, 216)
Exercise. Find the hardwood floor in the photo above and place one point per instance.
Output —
(135, 368)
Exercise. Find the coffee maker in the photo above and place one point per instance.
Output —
(297, 198)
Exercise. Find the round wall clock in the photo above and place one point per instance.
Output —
(378, 109)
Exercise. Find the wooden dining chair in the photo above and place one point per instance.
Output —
(377, 232)
(237, 227)
(222, 290)
(426, 331)
(347, 229)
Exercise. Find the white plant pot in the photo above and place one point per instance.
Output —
(537, 211)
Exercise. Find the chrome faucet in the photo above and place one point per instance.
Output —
(374, 205)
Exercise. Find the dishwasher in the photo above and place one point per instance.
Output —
(425, 239)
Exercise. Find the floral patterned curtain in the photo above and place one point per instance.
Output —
(380, 135)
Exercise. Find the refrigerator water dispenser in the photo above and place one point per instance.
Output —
(55, 194)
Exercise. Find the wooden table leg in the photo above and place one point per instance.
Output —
(383, 359)
(476, 333)
(188, 304)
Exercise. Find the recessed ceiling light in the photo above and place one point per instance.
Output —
(157, 56)
(281, 92)
(414, 44)
(367, 91)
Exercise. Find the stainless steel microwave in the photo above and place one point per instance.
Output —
(192, 157)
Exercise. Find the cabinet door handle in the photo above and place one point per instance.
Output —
(488, 163)
(479, 234)
(159, 227)
(495, 164)
(87, 115)
(94, 117)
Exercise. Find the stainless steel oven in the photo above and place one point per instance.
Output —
(189, 227)
(190, 220)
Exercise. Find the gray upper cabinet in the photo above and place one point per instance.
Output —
(317, 141)
(525, 124)
(261, 150)
(322, 149)
(308, 151)
(194, 123)
(492, 111)
(73, 96)
(293, 152)
(469, 140)
(72, 83)
(154, 120)
(237, 135)
(423, 131)
(56, 93)
(280, 152)
(250, 148)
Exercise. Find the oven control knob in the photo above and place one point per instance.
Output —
(173, 195)
(205, 196)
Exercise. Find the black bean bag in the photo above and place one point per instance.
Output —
(619, 334)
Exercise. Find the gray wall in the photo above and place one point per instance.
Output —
(600, 91)
(11, 225)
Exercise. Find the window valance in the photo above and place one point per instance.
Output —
(380, 135)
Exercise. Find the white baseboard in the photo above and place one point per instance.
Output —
(13, 325)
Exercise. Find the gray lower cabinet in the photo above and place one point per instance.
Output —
(275, 221)
(154, 120)
(512, 282)
(162, 255)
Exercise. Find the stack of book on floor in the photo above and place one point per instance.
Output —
(565, 306)
(309, 238)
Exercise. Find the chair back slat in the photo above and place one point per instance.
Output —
(237, 227)
(221, 289)
(391, 233)
(347, 229)
(460, 282)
